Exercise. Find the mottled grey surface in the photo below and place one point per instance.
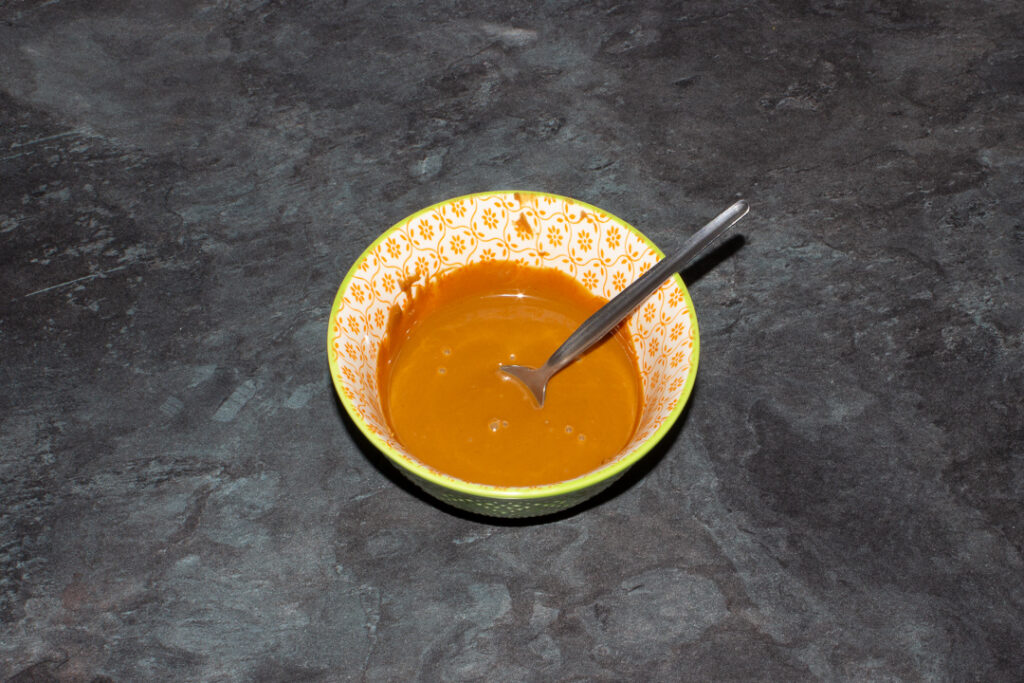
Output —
(184, 184)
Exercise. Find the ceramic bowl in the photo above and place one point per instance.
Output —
(599, 250)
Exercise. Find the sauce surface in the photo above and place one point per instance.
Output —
(450, 405)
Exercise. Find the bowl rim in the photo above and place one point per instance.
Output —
(567, 487)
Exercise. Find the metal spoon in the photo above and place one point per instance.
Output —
(622, 304)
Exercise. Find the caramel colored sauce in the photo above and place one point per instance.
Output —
(450, 405)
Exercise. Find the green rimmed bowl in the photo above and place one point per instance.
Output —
(600, 251)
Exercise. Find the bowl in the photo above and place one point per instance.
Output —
(602, 252)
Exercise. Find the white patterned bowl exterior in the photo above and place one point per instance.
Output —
(597, 249)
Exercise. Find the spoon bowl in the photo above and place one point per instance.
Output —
(622, 304)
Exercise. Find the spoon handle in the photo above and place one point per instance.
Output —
(623, 303)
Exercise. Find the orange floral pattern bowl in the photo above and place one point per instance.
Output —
(543, 230)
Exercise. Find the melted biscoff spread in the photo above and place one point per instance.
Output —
(450, 405)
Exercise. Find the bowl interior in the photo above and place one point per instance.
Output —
(597, 249)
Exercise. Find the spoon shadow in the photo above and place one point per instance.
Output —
(693, 273)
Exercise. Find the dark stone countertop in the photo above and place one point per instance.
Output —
(184, 184)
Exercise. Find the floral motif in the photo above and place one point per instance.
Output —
(590, 279)
(489, 219)
(486, 255)
(612, 237)
(584, 241)
(459, 208)
(649, 312)
(426, 230)
(393, 247)
(457, 244)
(619, 281)
(555, 236)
